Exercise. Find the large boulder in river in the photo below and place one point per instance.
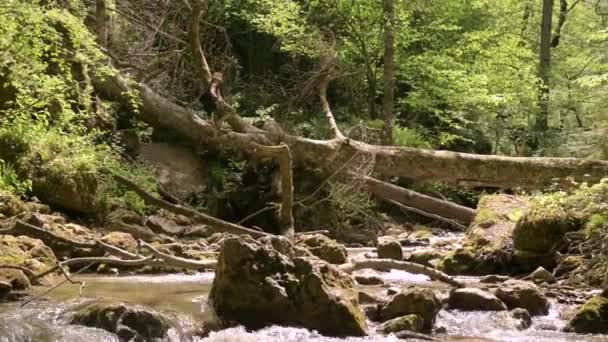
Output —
(130, 323)
(474, 299)
(261, 283)
(523, 294)
(591, 318)
(323, 247)
(488, 242)
(389, 249)
(417, 301)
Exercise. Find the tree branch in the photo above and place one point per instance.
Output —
(213, 222)
(383, 264)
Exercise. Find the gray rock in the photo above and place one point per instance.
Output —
(525, 320)
(418, 301)
(523, 294)
(541, 275)
(413, 323)
(389, 249)
(131, 323)
(323, 247)
(493, 279)
(474, 299)
(262, 283)
(368, 280)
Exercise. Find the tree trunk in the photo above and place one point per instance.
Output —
(101, 22)
(329, 155)
(542, 120)
(388, 102)
(445, 209)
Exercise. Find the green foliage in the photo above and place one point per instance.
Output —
(9, 180)
(45, 72)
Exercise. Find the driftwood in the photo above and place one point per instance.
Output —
(383, 264)
(178, 262)
(429, 215)
(445, 209)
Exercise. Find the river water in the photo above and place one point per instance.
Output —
(183, 298)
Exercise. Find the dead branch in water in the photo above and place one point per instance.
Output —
(383, 264)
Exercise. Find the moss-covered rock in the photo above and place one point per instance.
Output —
(323, 247)
(416, 301)
(542, 228)
(10, 205)
(404, 323)
(27, 252)
(568, 264)
(389, 249)
(77, 193)
(591, 318)
(260, 283)
(488, 243)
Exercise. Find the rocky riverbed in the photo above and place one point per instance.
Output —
(183, 300)
(272, 289)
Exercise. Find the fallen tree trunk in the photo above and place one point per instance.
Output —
(390, 161)
(445, 209)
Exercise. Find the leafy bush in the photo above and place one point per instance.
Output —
(9, 180)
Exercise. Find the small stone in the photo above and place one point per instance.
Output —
(389, 249)
(368, 280)
(493, 279)
(525, 320)
(404, 323)
(366, 298)
(371, 312)
(5, 288)
(541, 275)
(392, 291)
(441, 330)
(473, 299)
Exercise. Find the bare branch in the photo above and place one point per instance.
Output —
(383, 264)
(213, 222)
(178, 262)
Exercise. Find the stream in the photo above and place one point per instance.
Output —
(183, 298)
